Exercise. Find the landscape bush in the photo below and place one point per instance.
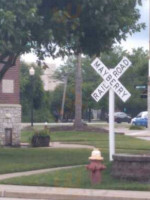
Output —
(41, 138)
(134, 127)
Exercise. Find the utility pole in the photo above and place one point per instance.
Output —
(148, 87)
(64, 97)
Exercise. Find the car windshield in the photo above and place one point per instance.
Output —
(120, 114)
(139, 115)
(145, 115)
(142, 115)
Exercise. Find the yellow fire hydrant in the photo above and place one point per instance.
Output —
(95, 167)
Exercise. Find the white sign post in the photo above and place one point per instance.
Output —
(112, 84)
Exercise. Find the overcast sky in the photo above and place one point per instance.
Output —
(140, 39)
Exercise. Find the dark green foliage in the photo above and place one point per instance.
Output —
(134, 127)
(17, 32)
(41, 98)
(31, 86)
(90, 26)
(135, 75)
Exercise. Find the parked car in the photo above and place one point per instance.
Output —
(141, 119)
(120, 117)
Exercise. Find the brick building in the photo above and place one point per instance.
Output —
(10, 108)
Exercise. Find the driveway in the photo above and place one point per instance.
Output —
(141, 134)
(124, 128)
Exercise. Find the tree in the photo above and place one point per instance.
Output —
(23, 29)
(98, 25)
(18, 20)
(54, 28)
(135, 75)
(41, 98)
(88, 86)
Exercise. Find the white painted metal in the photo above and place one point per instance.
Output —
(148, 86)
(112, 84)
(101, 90)
(110, 78)
(149, 68)
(111, 124)
(148, 92)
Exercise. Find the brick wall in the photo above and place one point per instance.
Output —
(9, 86)
(131, 167)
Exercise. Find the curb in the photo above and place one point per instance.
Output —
(69, 193)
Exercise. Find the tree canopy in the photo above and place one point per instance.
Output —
(62, 27)
(91, 26)
(87, 26)
(41, 98)
(135, 75)
(17, 21)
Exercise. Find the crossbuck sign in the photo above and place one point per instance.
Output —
(112, 84)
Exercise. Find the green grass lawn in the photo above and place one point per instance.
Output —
(13, 159)
(123, 143)
(24, 159)
(26, 136)
(76, 178)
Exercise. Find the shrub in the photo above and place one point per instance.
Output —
(41, 138)
(134, 127)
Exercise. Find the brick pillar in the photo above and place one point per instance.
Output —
(10, 108)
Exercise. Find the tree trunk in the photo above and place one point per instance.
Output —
(89, 115)
(78, 94)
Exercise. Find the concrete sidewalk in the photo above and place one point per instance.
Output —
(56, 193)
(40, 171)
(134, 133)
(60, 145)
(52, 193)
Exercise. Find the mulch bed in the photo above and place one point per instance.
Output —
(84, 128)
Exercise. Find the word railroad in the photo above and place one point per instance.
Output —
(111, 79)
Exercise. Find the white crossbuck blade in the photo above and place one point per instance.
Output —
(111, 79)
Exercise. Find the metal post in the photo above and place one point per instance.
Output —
(111, 124)
(148, 87)
(32, 72)
(32, 101)
(64, 97)
(148, 95)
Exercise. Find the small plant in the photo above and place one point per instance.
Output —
(41, 138)
(135, 127)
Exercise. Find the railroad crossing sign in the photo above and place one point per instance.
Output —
(111, 79)
(112, 84)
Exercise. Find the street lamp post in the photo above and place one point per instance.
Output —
(31, 72)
